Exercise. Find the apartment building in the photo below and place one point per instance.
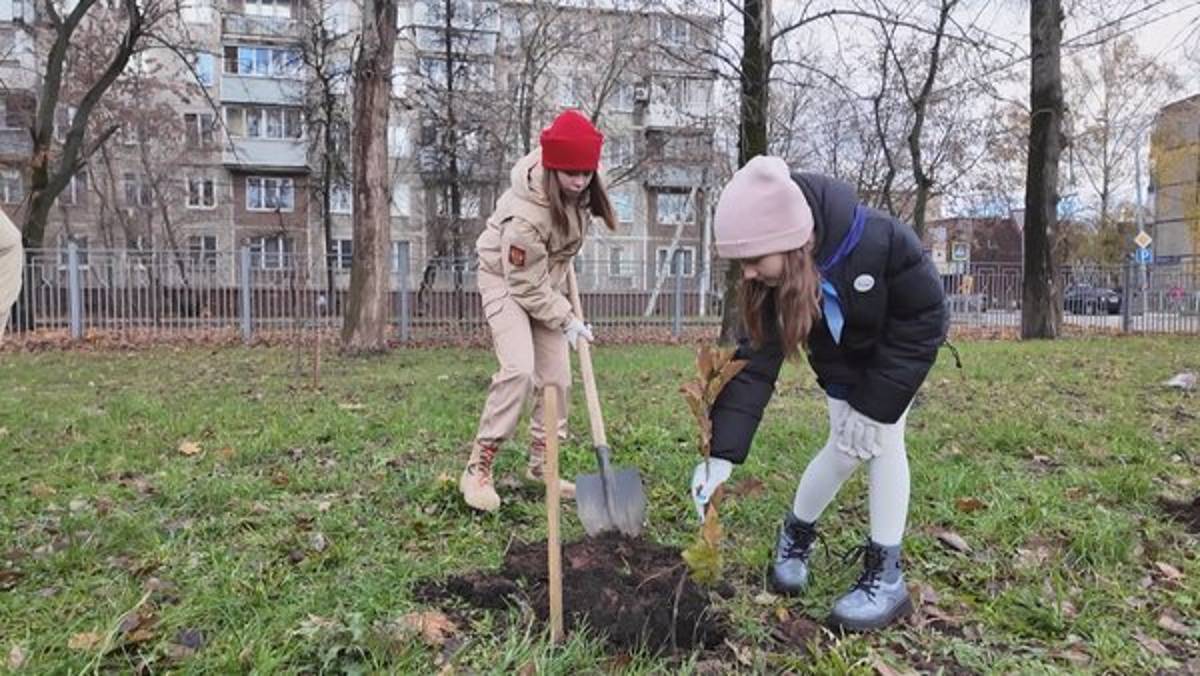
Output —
(218, 152)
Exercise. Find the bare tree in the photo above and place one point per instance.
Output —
(326, 51)
(366, 319)
(50, 172)
(1041, 313)
(1113, 100)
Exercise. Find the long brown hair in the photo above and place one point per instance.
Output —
(797, 302)
(597, 197)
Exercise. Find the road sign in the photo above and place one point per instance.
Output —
(1144, 255)
(1143, 240)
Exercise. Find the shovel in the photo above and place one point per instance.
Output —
(612, 499)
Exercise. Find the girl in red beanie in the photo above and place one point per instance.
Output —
(852, 287)
(525, 255)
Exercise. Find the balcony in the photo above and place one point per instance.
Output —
(266, 154)
(249, 25)
(15, 143)
(262, 90)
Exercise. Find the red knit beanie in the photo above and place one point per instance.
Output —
(571, 143)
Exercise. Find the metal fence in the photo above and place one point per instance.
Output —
(253, 295)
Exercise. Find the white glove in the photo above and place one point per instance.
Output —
(705, 480)
(575, 329)
(860, 436)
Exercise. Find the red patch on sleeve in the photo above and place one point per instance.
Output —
(516, 256)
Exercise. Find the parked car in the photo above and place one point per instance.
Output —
(1091, 300)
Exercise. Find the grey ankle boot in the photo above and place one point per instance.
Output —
(789, 570)
(879, 597)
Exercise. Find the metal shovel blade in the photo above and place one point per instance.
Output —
(610, 499)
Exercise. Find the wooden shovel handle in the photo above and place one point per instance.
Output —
(585, 367)
(554, 549)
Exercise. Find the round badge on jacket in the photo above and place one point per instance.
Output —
(864, 283)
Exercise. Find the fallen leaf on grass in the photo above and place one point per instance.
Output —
(953, 540)
(884, 669)
(1076, 657)
(186, 643)
(969, 505)
(1173, 625)
(1151, 644)
(9, 579)
(227, 453)
(765, 599)
(41, 491)
(1171, 573)
(351, 406)
(84, 641)
(747, 488)
(138, 627)
(189, 448)
(433, 627)
(16, 658)
(925, 594)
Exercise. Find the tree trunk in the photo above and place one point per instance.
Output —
(367, 313)
(752, 130)
(1041, 314)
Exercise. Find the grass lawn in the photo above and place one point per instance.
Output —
(288, 534)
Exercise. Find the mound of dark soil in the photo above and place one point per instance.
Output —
(635, 592)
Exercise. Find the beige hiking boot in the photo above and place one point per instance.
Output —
(476, 483)
(535, 471)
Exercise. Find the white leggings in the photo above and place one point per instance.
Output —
(889, 481)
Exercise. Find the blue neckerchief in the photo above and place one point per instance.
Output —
(831, 305)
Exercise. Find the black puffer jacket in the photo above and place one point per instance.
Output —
(895, 321)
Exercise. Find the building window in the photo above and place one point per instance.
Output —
(672, 208)
(400, 199)
(686, 260)
(623, 98)
(618, 151)
(266, 193)
(197, 11)
(616, 266)
(281, 9)
(75, 194)
(202, 193)
(205, 67)
(203, 250)
(262, 61)
(341, 254)
(468, 202)
(341, 198)
(138, 192)
(12, 190)
(271, 253)
(198, 128)
(64, 117)
(622, 201)
(396, 246)
(264, 122)
(397, 138)
(672, 31)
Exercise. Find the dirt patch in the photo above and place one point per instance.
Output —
(635, 592)
(1185, 512)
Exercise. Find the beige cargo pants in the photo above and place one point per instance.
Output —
(531, 355)
(12, 261)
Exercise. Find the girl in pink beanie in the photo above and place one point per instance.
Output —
(850, 287)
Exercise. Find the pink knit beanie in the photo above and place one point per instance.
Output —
(761, 211)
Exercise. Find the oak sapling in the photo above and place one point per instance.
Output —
(715, 367)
